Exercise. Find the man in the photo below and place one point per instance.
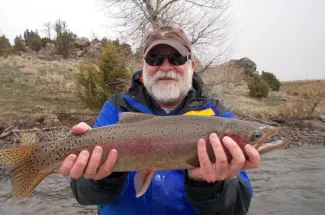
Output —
(166, 85)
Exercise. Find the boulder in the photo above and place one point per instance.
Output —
(248, 65)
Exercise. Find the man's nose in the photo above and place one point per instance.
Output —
(166, 66)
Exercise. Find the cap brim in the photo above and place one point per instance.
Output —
(179, 47)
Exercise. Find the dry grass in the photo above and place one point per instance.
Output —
(295, 99)
(27, 83)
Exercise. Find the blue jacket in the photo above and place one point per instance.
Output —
(170, 192)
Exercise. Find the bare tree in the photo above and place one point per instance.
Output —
(205, 22)
(47, 29)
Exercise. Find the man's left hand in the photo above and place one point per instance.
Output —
(221, 169)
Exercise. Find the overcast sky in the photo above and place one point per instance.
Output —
(285, 37)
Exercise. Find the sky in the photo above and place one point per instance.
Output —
(285, 37)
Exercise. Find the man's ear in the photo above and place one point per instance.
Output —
(193, 64)
(142, 62)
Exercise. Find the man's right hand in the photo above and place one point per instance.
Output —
(86, 164)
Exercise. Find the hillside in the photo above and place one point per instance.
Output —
(40, 94)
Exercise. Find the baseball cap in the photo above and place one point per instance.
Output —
(168, 35)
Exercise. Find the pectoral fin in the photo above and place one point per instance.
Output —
(142, 181)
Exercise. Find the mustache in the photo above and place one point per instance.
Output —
(166, 75)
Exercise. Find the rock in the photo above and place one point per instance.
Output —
(248, 65)
(79, 53)
(2, 142)
(81, 43)
(49, 49)
(285, 99)
(40, 109)
(94, 49)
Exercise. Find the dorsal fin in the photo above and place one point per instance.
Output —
(129, 117)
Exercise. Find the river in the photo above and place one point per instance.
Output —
(290, 181)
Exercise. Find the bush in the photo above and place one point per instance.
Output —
(258, 88)
(29, 36)
(271, 80)
(36, 44)
(5, 46)
(19, 44)
(96, 84)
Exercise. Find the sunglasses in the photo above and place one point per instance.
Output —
(176, 59)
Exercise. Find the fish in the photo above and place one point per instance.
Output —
(145, 143)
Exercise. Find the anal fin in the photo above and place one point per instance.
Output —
(142, 181)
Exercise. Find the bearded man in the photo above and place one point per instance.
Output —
(167, 85)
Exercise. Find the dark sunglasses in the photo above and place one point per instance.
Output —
(176, 59)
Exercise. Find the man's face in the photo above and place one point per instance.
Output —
(167, 83)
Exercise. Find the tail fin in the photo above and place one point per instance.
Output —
(24, 176)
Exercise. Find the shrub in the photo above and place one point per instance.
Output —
(258, 88)
(5, 46)
(29, 36)
(95, 84)
(36, 44)
(19, 44)
(271, 80)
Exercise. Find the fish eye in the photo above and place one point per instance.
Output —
(256, 135)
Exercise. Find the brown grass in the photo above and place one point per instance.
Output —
(27, 83)
(295, 98)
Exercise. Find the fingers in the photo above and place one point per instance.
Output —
(254, 158)
(79, 166)
(67, 164)
(93, 163)
(81, 128)
(238, 158)
(106, 168)
(221, 165)
(206, 167)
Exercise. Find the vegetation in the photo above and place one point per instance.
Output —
(271, 80)
(95, 84)
(19, 44)
(258, 87)
(29, 36)
(64, 38)
(36, 44)
(5, 46)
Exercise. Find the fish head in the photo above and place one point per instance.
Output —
(255, 134)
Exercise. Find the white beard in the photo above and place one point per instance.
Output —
(168, 93)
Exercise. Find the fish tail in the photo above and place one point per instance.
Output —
(24, 176)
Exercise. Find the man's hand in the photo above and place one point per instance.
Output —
(221, 169)
(86, 164)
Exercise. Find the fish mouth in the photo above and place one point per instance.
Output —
(270, 131)
(270, 146)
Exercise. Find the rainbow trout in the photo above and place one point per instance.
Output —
(145, 143)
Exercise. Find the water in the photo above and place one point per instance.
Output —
(290, 181)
